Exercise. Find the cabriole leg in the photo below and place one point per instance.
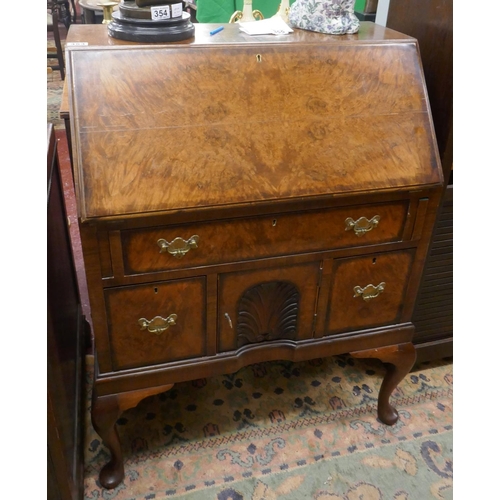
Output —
(399, 360)
(106, 410)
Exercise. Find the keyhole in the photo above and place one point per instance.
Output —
(156, 290)
(374, 261)
(275, 222)
(259, 58)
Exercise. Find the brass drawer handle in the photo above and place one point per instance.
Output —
(362, 225)
(178, 247)
(158, 324)
(369, 292)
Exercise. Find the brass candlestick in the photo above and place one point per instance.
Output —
(107, 11)
(247, 14)
(283, 10)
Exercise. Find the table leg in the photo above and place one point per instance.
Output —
(105, 412)
(399, 360)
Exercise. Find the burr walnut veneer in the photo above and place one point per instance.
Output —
(248, 199)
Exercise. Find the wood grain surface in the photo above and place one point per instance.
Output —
(251, 238)
(232, 286)
(255, 152)
(348, 311)
(169, 128)
(133, 346)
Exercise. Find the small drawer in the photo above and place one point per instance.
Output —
(157, 323)
(191, 245)
(368, 291)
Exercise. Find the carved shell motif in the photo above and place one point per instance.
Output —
(268, 311)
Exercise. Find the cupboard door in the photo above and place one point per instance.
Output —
(157, 322)
(267, 304)
(368, 291)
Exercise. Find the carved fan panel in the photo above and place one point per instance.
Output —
(268, 311)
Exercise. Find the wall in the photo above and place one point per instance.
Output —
(382, 11)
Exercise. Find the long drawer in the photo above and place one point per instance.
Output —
(191, 245)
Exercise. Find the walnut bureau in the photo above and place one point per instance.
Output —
(248, 199)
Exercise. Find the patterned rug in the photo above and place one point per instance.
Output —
(285, 431)
(54, 93)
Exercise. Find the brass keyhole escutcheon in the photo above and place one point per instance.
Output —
(259, 58)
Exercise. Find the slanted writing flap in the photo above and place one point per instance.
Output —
(168, 128)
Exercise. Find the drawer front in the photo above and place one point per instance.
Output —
(157, 323)
(266, 305)
(216, 242)
(368, 291)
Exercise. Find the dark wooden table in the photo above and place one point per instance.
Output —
(66, 330)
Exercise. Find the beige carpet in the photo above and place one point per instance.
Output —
(285, 431)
